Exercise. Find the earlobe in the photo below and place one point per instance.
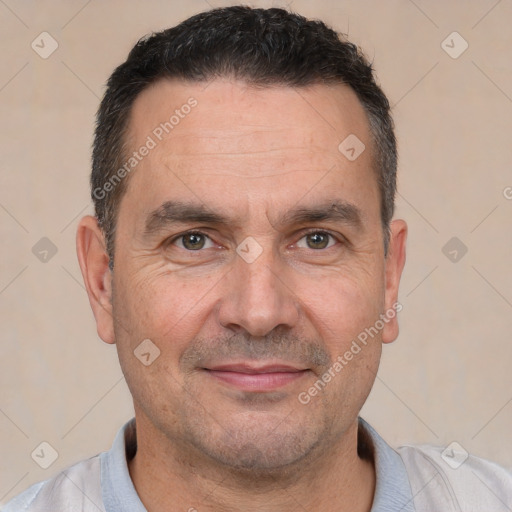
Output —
(395, 262)
(94, 264)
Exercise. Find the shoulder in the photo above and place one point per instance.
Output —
(453, 477)
(76, 489)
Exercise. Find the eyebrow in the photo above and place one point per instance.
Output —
(180, 212)
(171, 212)
(336, 210)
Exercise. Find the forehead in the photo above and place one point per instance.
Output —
(316, 114)
(210, 140)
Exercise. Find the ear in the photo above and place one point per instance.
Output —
(93, 260)
(395, 262)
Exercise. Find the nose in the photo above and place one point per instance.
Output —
(258, 297)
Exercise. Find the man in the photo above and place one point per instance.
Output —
(244, 260)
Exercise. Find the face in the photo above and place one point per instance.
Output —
(249, 250)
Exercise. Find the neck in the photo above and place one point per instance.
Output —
(171, 476)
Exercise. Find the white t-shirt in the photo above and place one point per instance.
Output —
(410, 479)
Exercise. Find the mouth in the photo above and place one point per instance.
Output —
(256, 378)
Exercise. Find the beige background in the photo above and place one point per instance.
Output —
(448, 377)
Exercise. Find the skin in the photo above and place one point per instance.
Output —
(253, 156)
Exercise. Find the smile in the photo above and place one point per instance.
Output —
(256, 379)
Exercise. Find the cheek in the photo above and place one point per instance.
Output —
(169, 314)
(157, 304)
(342, 307)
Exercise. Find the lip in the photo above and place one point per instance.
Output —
(254, 368)
(256, 378)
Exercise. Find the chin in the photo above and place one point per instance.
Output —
(256, 444)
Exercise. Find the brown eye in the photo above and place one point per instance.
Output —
(318, 240)
(192, 241)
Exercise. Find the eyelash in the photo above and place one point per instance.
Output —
(174, 239)
(336, 237)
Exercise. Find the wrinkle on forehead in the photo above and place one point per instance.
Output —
(260, 166)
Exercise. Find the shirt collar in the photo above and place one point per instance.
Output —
(392, 488)
(117, 487)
